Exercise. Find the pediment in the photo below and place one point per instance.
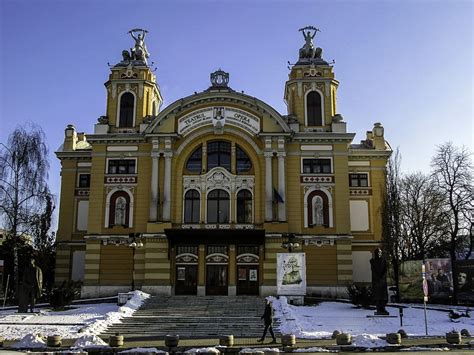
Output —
(219, 111)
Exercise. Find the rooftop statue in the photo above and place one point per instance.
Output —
(309, 51)
(139, 52)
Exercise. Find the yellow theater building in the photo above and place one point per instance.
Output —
(198, 197)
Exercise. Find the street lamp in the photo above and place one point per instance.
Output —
(134, 242)
(291, 243)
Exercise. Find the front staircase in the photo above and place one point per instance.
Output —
(194, 317)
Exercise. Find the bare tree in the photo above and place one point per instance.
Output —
(23, 180)
(453, 176)
(423, 221)
(391, 215)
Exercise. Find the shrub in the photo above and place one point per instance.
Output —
(62, 296)
(360, 295)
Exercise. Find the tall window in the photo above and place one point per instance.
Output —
(218, 154)
(191, 206)
(244, 206)
(244, 164)
(194, 163)
(127, 103)
(358, 180)
(119, 214)
(218, 207)
(121, 166)
(313, 109)
(316, 166)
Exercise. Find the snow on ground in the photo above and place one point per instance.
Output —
(321, 320)
(88, 319)
(254, 350)
(30, 341)
(203, 350)
(143, 350)
(89, 341)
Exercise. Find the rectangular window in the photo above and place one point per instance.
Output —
(122, 166)
(84, 180)
(317, 166)
(358, 180)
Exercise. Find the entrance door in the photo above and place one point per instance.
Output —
(247, 279)
(216, 280)
(186, 280)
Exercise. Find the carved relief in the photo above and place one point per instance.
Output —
(219, 178)
(217, 259)
(186, 259)
(247, 259)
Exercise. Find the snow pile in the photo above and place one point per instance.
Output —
(368, 341)
(143, 350)
(89, 341)
(99, 324)
(202, 350)
(31, 341)
(264, 350)
(313, 350)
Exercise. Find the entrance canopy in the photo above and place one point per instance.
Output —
(219, 236)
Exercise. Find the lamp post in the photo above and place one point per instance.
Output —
(134, 242)
(291, 243)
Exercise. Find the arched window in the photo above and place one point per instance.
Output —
(218, 154)
(218, 210)
(191, 206)
(154, 110)
(318, 209)
(194, 163)
(244, 164)
(244, 206)
(313, 109)
(127, 103)
(119, 214)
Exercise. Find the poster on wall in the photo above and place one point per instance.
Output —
(439, 276)
(291, 274)
(410, 281)
(465, 270)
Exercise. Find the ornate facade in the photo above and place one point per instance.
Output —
(198, 198)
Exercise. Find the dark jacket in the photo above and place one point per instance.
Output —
(268, 314)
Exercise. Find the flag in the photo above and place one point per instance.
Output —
(276, 197)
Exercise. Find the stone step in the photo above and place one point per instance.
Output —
(195, 317)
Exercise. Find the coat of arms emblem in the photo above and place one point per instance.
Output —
(218, 119)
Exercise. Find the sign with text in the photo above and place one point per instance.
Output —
(218, 117)
(291, 274)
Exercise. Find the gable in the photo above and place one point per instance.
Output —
(218, 110)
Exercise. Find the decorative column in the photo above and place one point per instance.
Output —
(167, 187)
(268, 186)
(155, 156)
(281, 186)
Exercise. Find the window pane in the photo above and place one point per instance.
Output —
(218, 154)
(84, 180)
(243, 161)
(195, 161)
(126, 110)
(212, 211)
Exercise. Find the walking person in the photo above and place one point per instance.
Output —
(268, 320)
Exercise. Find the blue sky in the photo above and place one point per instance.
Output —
(407, 64)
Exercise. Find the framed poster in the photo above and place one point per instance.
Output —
(291, 274)
(242, 274)
(253, 274)
(181, 274)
